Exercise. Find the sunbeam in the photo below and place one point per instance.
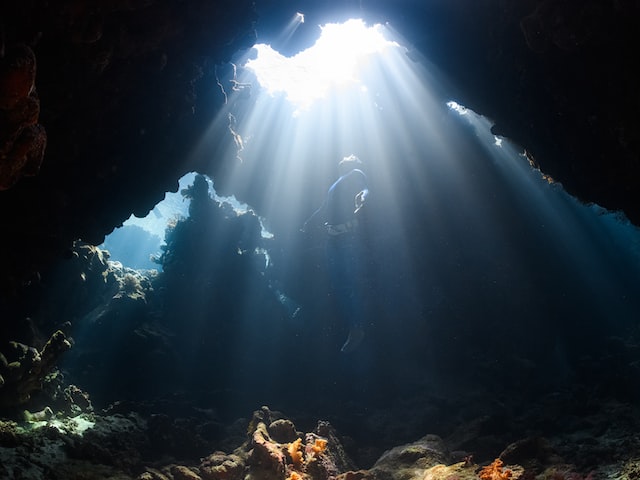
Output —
(368, 237)
(463, 234)
(332, 62)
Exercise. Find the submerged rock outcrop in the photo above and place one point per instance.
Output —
(23, 368)
(125, 447)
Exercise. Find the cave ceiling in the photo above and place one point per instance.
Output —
(99, 101)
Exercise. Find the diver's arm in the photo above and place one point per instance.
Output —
(360, 199)
(314, 218)
(361, 182)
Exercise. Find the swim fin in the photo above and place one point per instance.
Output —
(356, 335)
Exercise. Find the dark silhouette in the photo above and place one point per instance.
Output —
(340, 215)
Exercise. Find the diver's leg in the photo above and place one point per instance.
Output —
(353, 302)
(356, 335)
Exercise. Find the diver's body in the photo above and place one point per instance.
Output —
(340, 214)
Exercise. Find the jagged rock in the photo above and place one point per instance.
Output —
(180, 472)
(316, 455)
(356, 475)
(221, 466)
(457, 471)
(283, 431)
(25, 373)
(152, 474)
(340, 461)
(533, 453)
(409, 462)
(266, 459)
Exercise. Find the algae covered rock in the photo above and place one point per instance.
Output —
(220, 466)
(410, 461)
(24, 371)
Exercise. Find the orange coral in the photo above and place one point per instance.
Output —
(294, 476)
(495, 471)
(294, 451)
(319, 446)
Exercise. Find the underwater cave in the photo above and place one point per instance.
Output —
(311, 241)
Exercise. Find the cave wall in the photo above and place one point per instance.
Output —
(123, 88)
(100, 104)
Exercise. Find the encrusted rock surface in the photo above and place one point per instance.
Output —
(121, 447)
(23, 368)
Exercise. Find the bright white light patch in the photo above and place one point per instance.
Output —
(456, 107)
(333, 61)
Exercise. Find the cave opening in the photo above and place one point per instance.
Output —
(485, 284)
(466, 233)
(494, 311)
(138, 243)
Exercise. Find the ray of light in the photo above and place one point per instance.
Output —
(384, 111)
(429, 168)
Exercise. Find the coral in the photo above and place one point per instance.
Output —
(405, 460)
(324, 457)
(283, 431)
(314, 447)
(132, 286)
(76, 400)
(457, 471)
(335, 454)
(319, 445)
(220, 466)
(266, 456)
(24, 371)
(43, 415)
(495, 471)
(295, 452)
(180, 472)
(310, 457)
(130, 283)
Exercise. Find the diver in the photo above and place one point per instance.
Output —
(341, 216)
